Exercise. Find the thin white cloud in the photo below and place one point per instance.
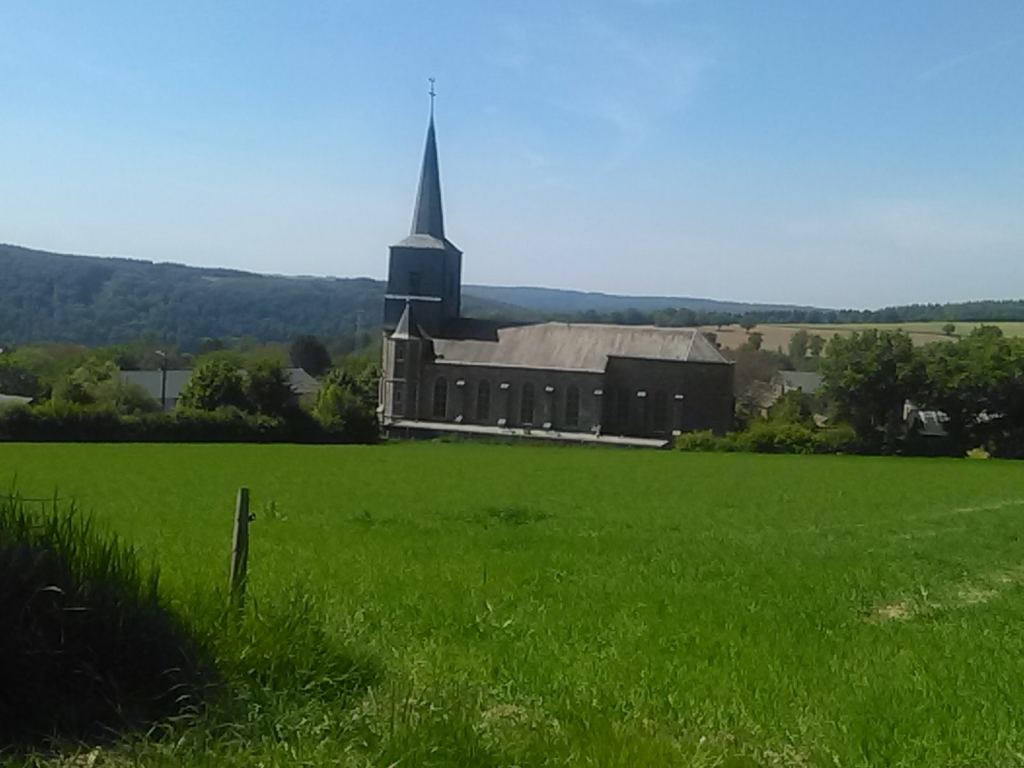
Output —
(963, 58)
(587, 66)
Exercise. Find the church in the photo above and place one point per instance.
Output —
(444, 373)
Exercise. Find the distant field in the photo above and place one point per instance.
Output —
(775, 336)
(567, 606)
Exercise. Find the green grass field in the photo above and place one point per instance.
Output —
(564, 606)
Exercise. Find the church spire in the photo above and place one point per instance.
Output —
(427, 218)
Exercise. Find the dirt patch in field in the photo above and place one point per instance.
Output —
(893, 612)
(975, 595)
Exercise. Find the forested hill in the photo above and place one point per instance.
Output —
(54, 297)
(89, 300)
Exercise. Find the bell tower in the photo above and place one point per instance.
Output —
(425, 269)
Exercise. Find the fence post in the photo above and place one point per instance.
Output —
(240, 547)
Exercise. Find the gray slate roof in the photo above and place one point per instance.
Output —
(807, 382)
(428, 219)
(301, 382)
(150, 381)
(14, 400)
(583, 347)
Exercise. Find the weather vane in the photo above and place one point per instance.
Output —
(432, 95)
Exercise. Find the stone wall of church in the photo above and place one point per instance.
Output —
(644, 398)
(656, 397)
(510, 397)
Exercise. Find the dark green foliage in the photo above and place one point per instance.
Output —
(268, 391)
(224, 425)
(309, 353)
(54, 297)
(978, 383)
(15, 380)
(775, 437)
(348, 399)
(215, 383)
(870, 375)
(87, 645)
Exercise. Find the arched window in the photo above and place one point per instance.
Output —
(622, 408)
(399, 359)
(572, 407)
(440, 398)
(660, 411)
(483, 401)
(526, 405)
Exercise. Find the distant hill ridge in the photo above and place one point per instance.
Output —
(94, 300)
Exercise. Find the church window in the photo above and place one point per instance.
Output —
(415, 283)
(645, 412)
(440, 398)
(399, 360)
(526, 404)
(622, 408)
(396, 402)
(572, 407)
(483, 401)
(660, 411)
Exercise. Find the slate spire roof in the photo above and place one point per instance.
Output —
(428, 218)
(405, 330)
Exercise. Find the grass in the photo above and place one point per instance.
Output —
(500, 605)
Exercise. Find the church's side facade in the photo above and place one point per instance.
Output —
(445, 373)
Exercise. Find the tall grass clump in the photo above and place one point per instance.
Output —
(87, 647)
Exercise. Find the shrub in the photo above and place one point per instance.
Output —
(65, 422)
(215, 383)
(698, 441)
(775, 437)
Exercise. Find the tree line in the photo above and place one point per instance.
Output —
(47, 297)
(233, 393)
(976, 383)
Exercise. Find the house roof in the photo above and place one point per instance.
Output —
(405, 330)
(572, 346)
(151, 381)
(14, 400)
(806, 382)
(301, 382)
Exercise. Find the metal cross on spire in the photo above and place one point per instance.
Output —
(432, 95)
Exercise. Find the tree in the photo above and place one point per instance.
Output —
(268, 390)
(870, 375)
(307, 352)
(816, 344)
(214, 383)
(978, 382)
(347, 402)
(15, 380)
(748, 323)
(799, 343)
(753, 342)
(949, 329)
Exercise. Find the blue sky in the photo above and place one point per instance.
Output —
(837, 154)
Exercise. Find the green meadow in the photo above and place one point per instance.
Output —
(528, 606)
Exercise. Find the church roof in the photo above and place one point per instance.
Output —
(578, 346)
(428, 218)
(426, 241)
(405, 329)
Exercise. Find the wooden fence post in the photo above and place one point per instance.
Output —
(240, 547)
